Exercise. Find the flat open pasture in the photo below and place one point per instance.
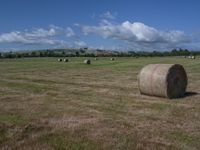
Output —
(46, 104)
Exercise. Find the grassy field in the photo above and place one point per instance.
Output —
(45, 104)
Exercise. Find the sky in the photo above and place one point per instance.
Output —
(140, 25)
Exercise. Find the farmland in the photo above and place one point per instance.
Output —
(46, 104)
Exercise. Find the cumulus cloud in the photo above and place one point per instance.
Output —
(37, 36)
(40, 33)
(12, 37)
(138, 34)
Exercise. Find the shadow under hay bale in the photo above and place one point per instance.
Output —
(87, 61)
(188, 94)
(163, 80)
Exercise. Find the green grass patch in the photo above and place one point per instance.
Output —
(3, 136)
(162, 106)
(69, 141)
(185, 140)
(10, 119)
(24, 86)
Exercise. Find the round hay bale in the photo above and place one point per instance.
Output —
(59, 60)
(87, 61)
(163, 80)
(65, 60)
(112, 59)
(95, 58)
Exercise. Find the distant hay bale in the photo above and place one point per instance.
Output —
(87, 61)
(59, 60)
(95, 58)
(163, 80)
(112, 59)
(191, 57)
(65, 60)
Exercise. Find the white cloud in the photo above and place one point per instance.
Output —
(138, 34)
(80, 44)
(41, 33)
(12, 37)
(37, 36)
(76, 24)
(108, 15)
(69, 32)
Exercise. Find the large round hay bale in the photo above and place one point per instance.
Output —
(163, 80)
(87, 61)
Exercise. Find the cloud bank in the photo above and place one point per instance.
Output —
(137, 34)
(37, 36)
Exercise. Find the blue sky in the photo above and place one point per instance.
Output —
(120, 25)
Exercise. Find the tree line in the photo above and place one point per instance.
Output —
(97, 53)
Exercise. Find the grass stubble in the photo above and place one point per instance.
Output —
(45, 104)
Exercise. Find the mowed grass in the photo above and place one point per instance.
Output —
(45, 104)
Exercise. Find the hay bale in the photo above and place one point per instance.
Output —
(163, 80)
(112, 59)
(87, 61)
(95, 58)
(59, 60)
(65, 60)
(191, 57)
